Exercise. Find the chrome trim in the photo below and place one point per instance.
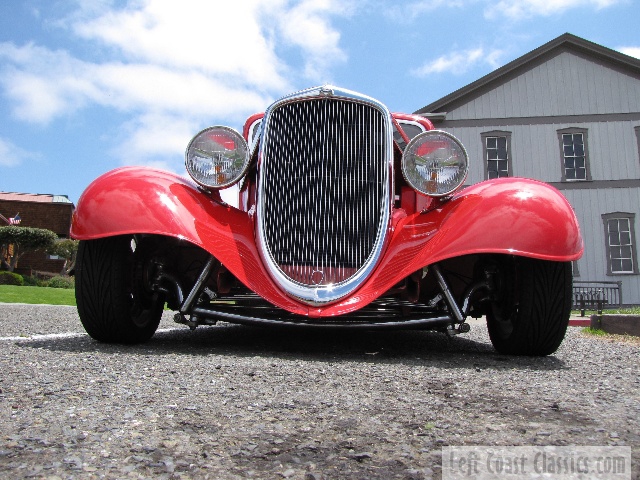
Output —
(198, 287)
(440, 321)
(323, 294)
(254, 135)
(451, 301)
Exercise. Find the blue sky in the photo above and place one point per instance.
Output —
(88, 86)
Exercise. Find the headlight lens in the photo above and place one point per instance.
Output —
(435, 163)
(217, 157)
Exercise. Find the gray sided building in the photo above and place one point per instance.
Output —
(567, 113)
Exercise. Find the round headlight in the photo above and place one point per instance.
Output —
(435, 163)
(217, 157)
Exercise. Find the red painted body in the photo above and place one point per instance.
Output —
(425, 122)
(250, 121)
(509, 216)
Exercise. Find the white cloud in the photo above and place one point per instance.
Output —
(37, 101)
(494, 9)
(12, 155)
(403, 13)
(159, 137)
(459, 62)
(219, 38)
(187, 62)
(152, 88)
(43, 84)
(306, 26)
(631, 51)
(518, 9)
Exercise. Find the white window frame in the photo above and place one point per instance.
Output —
(572, 157)
(485, 153)
(620, 243)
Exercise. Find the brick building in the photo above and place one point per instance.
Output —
(52, 212)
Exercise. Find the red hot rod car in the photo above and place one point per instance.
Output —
(347, 216)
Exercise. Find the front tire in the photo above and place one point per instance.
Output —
(113, 305)
(530, 312)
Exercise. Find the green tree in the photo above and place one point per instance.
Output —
(65, 248)
(16, 241)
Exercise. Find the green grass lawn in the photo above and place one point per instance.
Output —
(45, 295)
(620, 311)
(626, 311)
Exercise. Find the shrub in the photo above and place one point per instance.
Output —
(60, 282)
(30, 281)
(10, 278)
(67, 249)
(24, 239)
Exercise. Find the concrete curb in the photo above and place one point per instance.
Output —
(617, 324)
(579, 322)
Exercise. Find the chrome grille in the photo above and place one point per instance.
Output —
(324, 189)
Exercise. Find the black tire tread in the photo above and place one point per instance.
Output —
(103, 279)
(544, 291)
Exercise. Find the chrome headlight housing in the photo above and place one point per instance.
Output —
(217, 157)
(435, 163)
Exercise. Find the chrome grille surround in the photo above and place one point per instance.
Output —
(324, 183)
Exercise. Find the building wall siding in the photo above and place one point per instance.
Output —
(566, 84)
(613, 152)
(589, 206)
(566, 90)
(613, 149)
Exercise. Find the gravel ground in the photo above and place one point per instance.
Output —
(238, 402)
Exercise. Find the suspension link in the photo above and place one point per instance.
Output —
(451, 301)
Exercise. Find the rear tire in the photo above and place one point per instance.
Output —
(530, 313)
(113, 305)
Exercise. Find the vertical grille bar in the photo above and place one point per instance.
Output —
(325, 193)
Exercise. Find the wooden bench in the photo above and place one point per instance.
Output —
(595, 295)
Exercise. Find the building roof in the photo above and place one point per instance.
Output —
(33, 197)
(562, 43)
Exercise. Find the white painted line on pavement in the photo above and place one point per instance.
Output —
(49, 336)
(55, 336)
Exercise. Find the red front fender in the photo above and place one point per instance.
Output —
(134, 200)
(513, 216)
(510, 216)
